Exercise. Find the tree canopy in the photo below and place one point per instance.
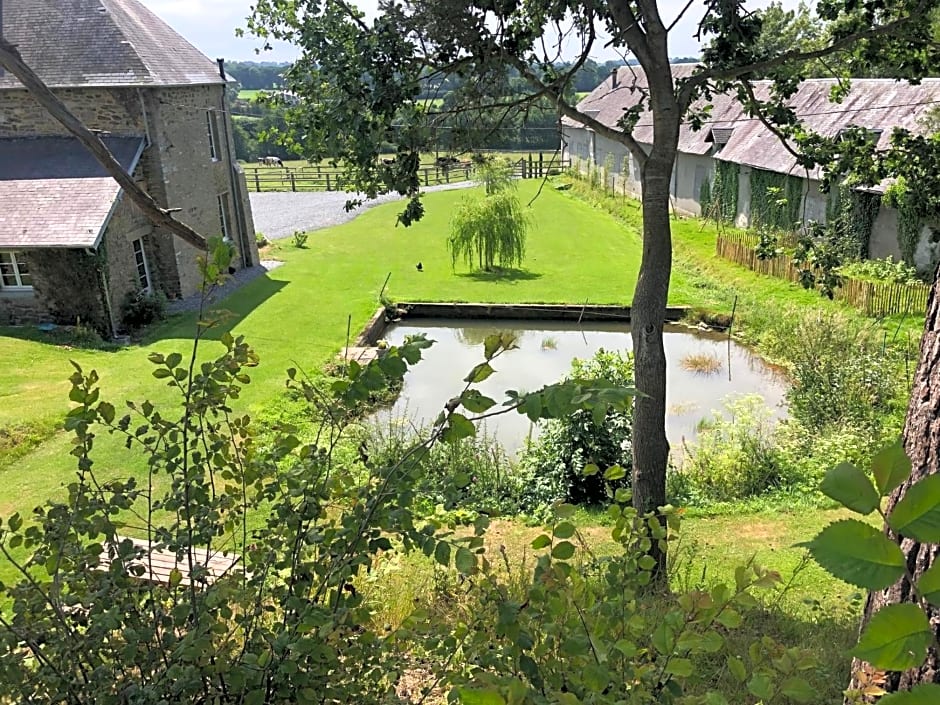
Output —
(366, 75)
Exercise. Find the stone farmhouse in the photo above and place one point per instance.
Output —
(71, 246)
(731, 141)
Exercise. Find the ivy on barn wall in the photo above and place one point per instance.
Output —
(857, 213)
(705, 195)
(724, 193)
(776, 200)
(69, 284)
(910, 220)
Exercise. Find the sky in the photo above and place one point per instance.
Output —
(210, 26)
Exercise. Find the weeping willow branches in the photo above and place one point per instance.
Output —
(489, 232)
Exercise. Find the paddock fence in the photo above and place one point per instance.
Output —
(316, 177)
(872, 298)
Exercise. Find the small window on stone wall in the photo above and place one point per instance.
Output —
(143, 268)
(14, 271)
(223, 216)
(213, 133)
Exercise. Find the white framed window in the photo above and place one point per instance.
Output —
(14, 271)
(143, 267)
(223, 216)
(213, 133)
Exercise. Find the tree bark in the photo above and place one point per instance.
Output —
(922, 443)
(648, 311)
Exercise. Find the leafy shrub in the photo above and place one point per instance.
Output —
(582, 629)
(261, 240)
(843, 375)
(735, 455)
(808, 453)
(299, 238)
(140, 309)
(553, 465)
(882, 270)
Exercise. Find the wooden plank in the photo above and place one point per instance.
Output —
(158, 564)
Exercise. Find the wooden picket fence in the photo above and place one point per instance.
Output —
(322, 178)
(872, 298)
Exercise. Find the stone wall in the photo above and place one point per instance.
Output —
(194, 180)
(68, 284)
(126, 225)
(116, 110)
(177, 168)
(21, 307)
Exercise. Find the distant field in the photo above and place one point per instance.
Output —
(245, 94)
(581, 95)
(427, 158)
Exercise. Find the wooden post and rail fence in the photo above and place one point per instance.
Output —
(872, 298)
(316, 177)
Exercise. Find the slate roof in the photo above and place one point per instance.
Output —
(60, 196)
(877, 104)
(101, 43)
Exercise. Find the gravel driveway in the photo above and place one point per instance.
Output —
(278, 214)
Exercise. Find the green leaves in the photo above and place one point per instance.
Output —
(923, 694)
(479, 696)
(896, 638)
(465, 561)
(858, 554)
(849, 486)
(917, 515)
(891, 467)
(928, 586)
(458, 427)
(479, 373)
(563, 550)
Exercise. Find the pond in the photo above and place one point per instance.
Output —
(546, 349)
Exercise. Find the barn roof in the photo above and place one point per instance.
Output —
(101, 43)
(876, 104)
(54, 192)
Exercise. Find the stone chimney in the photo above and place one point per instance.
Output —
(613, 74)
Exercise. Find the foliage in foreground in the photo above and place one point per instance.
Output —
(286, 623)
(898, 636)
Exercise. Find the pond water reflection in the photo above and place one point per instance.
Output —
(702, 369)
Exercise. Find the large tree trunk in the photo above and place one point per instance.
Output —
(922, 443)
(648, 313)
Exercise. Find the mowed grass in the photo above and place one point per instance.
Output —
(297, 316)
(249, 94)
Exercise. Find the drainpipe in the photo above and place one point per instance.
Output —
(234, 185)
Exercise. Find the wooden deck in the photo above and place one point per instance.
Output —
(160, 564)
(362, 355)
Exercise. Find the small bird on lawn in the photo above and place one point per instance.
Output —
(419, 267)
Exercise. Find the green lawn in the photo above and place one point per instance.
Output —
(249, 94)
(296, 316)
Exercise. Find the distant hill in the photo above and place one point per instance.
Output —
(257, 75)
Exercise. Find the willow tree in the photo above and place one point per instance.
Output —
(489, 230)
(360, 81)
